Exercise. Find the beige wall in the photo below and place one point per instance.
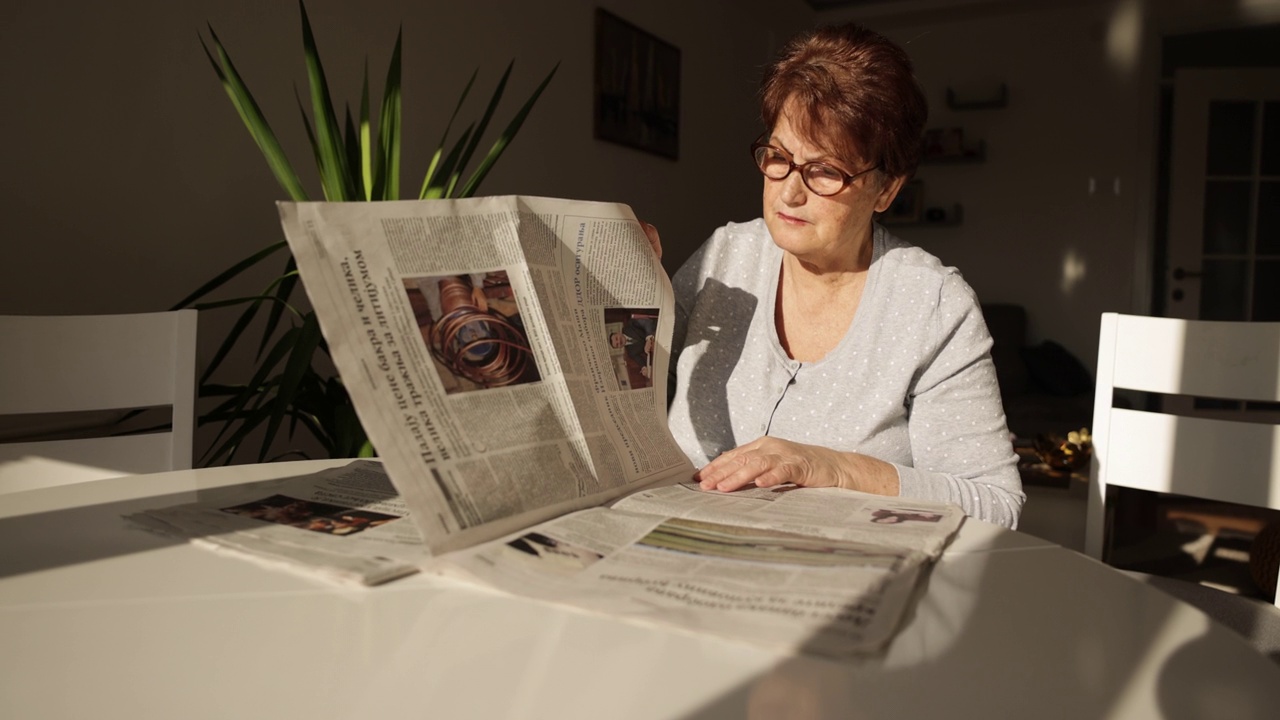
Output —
(1083, 78)
(128, 179)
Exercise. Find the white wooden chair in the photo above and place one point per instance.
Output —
(65, 364)
(1210, 458)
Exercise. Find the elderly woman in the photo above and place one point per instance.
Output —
(813, 347)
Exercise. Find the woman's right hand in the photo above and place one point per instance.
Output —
(655, 242)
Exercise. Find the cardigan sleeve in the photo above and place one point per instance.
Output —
(960, 445)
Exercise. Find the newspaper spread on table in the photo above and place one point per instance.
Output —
(824, 571)
(508, 357)
(346, 524)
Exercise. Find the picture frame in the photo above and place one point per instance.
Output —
(637, 87)
(907, 207)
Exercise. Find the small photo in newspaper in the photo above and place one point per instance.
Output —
(736, 542)
(899, 515)
(310, 515)
(471, 325)
(632, 334)
(551, 554)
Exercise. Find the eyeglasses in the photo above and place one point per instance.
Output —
(821, 178)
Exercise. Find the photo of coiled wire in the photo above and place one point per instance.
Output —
(632, 342)
(471, 325)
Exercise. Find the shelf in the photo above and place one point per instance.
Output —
(952, 217)
(974, 155)
(999, 100)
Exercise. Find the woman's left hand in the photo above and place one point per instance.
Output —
(769, 461)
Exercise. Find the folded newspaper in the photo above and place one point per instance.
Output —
(508, 358)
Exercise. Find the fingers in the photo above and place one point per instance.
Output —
(768, 462)
(655, 242)
(742, 466)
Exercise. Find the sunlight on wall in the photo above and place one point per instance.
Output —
(1259, 10)
(1124, 36)
(1073, 271)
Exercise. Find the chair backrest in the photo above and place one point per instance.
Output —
(57, 364)
(1216, 459)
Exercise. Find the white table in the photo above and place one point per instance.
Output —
(100, 621)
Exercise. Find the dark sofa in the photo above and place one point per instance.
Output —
(1044, 387)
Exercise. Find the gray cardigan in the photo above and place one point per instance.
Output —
(911, 383)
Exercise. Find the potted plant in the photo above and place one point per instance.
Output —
(292, 384)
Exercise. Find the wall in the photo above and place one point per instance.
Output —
(1083, 79)
(128, 177)
(129, 180)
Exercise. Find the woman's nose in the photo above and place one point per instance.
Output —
(793, 189)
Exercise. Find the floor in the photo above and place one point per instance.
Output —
(1195, 540)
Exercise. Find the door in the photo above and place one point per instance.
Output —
(1224, 204)
(1224, 195)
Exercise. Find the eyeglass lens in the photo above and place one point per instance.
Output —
(822, 179)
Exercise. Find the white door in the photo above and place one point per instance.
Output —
(1224, 204)
(1224, 195)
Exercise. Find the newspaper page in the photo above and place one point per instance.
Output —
(818, 572)
(345, 524)
(506, 355)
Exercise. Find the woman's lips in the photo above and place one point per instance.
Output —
(791, 219)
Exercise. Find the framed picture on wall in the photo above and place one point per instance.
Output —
(637, 87)
(907, 207)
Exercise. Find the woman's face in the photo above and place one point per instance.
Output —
(827, 232)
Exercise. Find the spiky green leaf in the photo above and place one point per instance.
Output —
(226, 275)
(481, 127)
(387, 180)
(366, 137)
(300, 353)
(448, 172)
(333, 170)
(505, 139)
(429, 179)
(253, 119)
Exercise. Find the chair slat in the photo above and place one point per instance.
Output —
(1214, 459)
(88, 363)
(1233, 360)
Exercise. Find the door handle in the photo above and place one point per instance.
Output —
(1180, 274)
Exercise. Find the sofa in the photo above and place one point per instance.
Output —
(1044, 387)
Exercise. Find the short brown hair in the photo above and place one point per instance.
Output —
(853, 88)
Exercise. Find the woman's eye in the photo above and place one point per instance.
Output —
(826, 173)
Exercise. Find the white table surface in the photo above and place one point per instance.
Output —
(101, 621)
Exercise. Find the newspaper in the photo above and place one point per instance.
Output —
(347, 524)
(477, 339)
(822, 571)
(508, 358)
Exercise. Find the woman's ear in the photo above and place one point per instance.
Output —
(889, 192)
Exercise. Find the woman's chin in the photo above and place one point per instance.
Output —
(790, 238)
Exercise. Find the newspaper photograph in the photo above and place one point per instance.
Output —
(507, 356)
(346, 525)
(823, 512)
